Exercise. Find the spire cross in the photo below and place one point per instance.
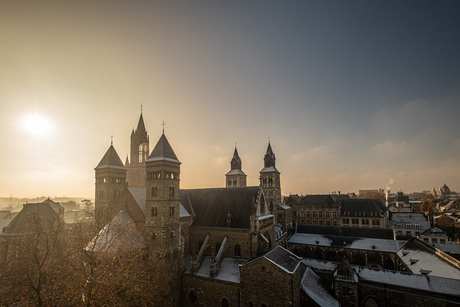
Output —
(141, 107)
(111, 139)
(268, 140)
(163, 124)
(235, 144)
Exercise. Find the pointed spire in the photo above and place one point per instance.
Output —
(140, 124)
(269, 157)
(111, 159)
(236, 160)
(269, 160)
(163, 151)
(127, 161)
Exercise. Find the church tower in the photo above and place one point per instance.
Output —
(163, 211)
(235, 177)
(139, 153)
(270, 178)
(110, 182)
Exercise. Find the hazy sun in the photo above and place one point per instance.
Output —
(37, 125)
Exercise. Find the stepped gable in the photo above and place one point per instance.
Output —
(212, 206)
(111, 160)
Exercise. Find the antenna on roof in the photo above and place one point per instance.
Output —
(163, 124)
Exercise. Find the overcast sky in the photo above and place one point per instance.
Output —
(352, 94)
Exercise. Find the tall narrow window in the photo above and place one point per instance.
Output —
(171, 191)
(153, 211)
(237, 250)
(171, 211)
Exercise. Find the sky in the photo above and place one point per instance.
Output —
(351, 94)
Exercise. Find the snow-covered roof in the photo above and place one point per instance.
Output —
(120, 234)
(266, 216)
(235, 172)
(414, 281)
(283, 206)
(311, 285)
(183, 212)
(320, 264)
(400, 220)
(229, 269)
(284, 259)
(269, 169)
(421, 258)
(381, 245)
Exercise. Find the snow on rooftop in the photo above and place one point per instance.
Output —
(229, 269)
(425, 261)
(182, 211)
(269, 169)
(382, 245)
(320, 265)
(266, 216)
(311, 285)
(235, 172)
(414, 281)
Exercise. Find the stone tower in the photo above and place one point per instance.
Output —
(235, 177)
(139, 153)
(163, 212)
(270, 178)
(110, 182)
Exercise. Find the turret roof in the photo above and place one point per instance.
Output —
(140, 124)
(163, 151)
(111, 160)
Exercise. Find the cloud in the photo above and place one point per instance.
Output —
(390, 148)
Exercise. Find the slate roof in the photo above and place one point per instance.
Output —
(408, 280)
(361, 206)
(163, 151)
(400, 219)
(283, 259)
(235, 172)
(111, 160)
(313, 200)
(421, 258)
(21, 222)
(140, 124)
(382, 245)
(139, 195)
(211, 206)
(311, 284)
(357, 232)
(229, 269)
(120, 234)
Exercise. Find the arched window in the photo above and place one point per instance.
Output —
(224, 302)
(370, 302)
(192, 297)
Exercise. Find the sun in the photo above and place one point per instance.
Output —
(37, 125)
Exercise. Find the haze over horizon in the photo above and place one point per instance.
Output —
(351, 94)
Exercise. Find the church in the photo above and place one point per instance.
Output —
(226, 246)
(216, 240)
